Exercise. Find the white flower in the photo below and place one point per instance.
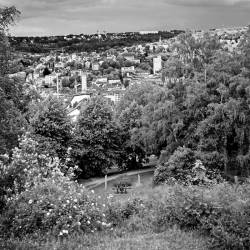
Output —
(65, 231)
(92, 191)
(30, 201)
(88, 222)
(75, 200)
(48, 214)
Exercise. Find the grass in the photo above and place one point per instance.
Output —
(173, 239)
(124, 237)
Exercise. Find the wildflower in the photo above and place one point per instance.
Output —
(64, 232)
(78, 223)
(30, 201)
(48, 214)
(103, 215)
(70, 217)
(88, 222)
(104, 205)
(92, 191)
(67, 201)
(75, 200)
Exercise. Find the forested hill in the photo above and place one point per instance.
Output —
(95, 42)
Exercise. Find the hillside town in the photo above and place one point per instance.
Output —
(78, 76)
(126, 140)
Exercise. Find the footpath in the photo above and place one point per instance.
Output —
(93, 183)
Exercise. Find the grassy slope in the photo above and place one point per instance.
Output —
(173, 239)
(123, 238)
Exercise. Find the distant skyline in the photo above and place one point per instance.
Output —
(62, 17)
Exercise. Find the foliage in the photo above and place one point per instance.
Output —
(220, 212)
(39, 197)
(130, 122)
(8, 16)
(56, 206)
(97, 142)
(13, 99)
(51, 127)
(179, 166)
(28, 166)
(203, 105)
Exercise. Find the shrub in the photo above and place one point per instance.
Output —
(118, 212)
(178, 166)
(39, 198)
(56, 206)
(220, 212)
(28, 166)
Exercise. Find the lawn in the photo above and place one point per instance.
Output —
(172, 239)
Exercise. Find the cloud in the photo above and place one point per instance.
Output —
(53, 17)
(210, 3)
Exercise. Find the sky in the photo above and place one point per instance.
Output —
(62, 17)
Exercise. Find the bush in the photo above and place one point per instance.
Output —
(118, 212)
(28, 166)
(220, 212)
(39, 197)
(56, 206)
(178, 166)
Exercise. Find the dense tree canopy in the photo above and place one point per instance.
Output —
(13, 100)
(97, 142)
(51, 126)
(206, 107)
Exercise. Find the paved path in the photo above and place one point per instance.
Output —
(97, 182)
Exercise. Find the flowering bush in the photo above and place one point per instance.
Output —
(40, 197)
(56, 206)
(28, 166)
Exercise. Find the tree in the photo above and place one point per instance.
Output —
(130, 121)
(12, 95)
(97, 142)
(139, 93)
(51, 127)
